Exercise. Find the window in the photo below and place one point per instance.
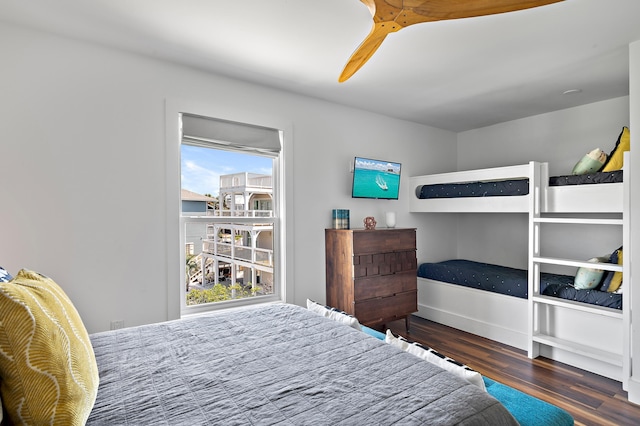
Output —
(228, 218)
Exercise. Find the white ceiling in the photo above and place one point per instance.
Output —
(456, 75)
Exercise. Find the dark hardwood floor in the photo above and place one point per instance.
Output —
(589, 398)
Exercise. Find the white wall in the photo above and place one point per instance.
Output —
(328, 137)
(560, 138)
(634, 89)
(82, 180)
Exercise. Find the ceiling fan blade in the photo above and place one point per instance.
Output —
(437, 10)
(368, 47)
(392, 15)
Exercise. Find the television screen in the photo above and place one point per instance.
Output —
(375, 179)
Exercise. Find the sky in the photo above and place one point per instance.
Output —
(201, 168)
(366, 163)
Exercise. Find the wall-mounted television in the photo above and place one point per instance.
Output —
(375, 179)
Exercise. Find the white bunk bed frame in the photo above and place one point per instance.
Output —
(593, 338)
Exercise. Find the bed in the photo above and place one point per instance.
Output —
(458, 185)
(543, 317)
(513, 282)
(275, 364)
(268, 364)
(517, 189)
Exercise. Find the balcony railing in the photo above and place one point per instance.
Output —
(239, 180)
(239, 252)
(240, 213)
(233, 229)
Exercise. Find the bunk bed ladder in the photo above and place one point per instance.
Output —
(540, 304)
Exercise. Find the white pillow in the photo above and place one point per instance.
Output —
(334, 314)
(430, 355)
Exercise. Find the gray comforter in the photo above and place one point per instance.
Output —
(274, 365)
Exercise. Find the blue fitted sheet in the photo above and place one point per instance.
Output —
(587, 179)
(592, 297)
(512, 281)
(511, 187)
(476, 189)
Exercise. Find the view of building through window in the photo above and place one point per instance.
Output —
(227, 199)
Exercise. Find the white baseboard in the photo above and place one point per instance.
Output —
(487, 330)
(633, 392)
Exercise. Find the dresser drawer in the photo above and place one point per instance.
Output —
(384, 240)
(384, 286)
(371, 265)
(383, 309)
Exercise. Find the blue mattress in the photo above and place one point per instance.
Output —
(512, 187)
(592, 297)
(512, 281)
(476, 189)
(588, 179)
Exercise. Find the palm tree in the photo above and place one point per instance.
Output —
(192, 267)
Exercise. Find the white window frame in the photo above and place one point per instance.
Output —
(283, 235)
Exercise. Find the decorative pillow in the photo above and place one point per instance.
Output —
(590, 163)
(48, 368)
(333, 313)
(616, 158)
(614, 281)
(588, 278)
(430, 355)
(5, 276)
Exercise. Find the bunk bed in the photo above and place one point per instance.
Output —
(514, 282)
(479, 202)
(542, 317)
(517, 189)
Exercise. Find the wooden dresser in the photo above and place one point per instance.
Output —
(371, 274)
